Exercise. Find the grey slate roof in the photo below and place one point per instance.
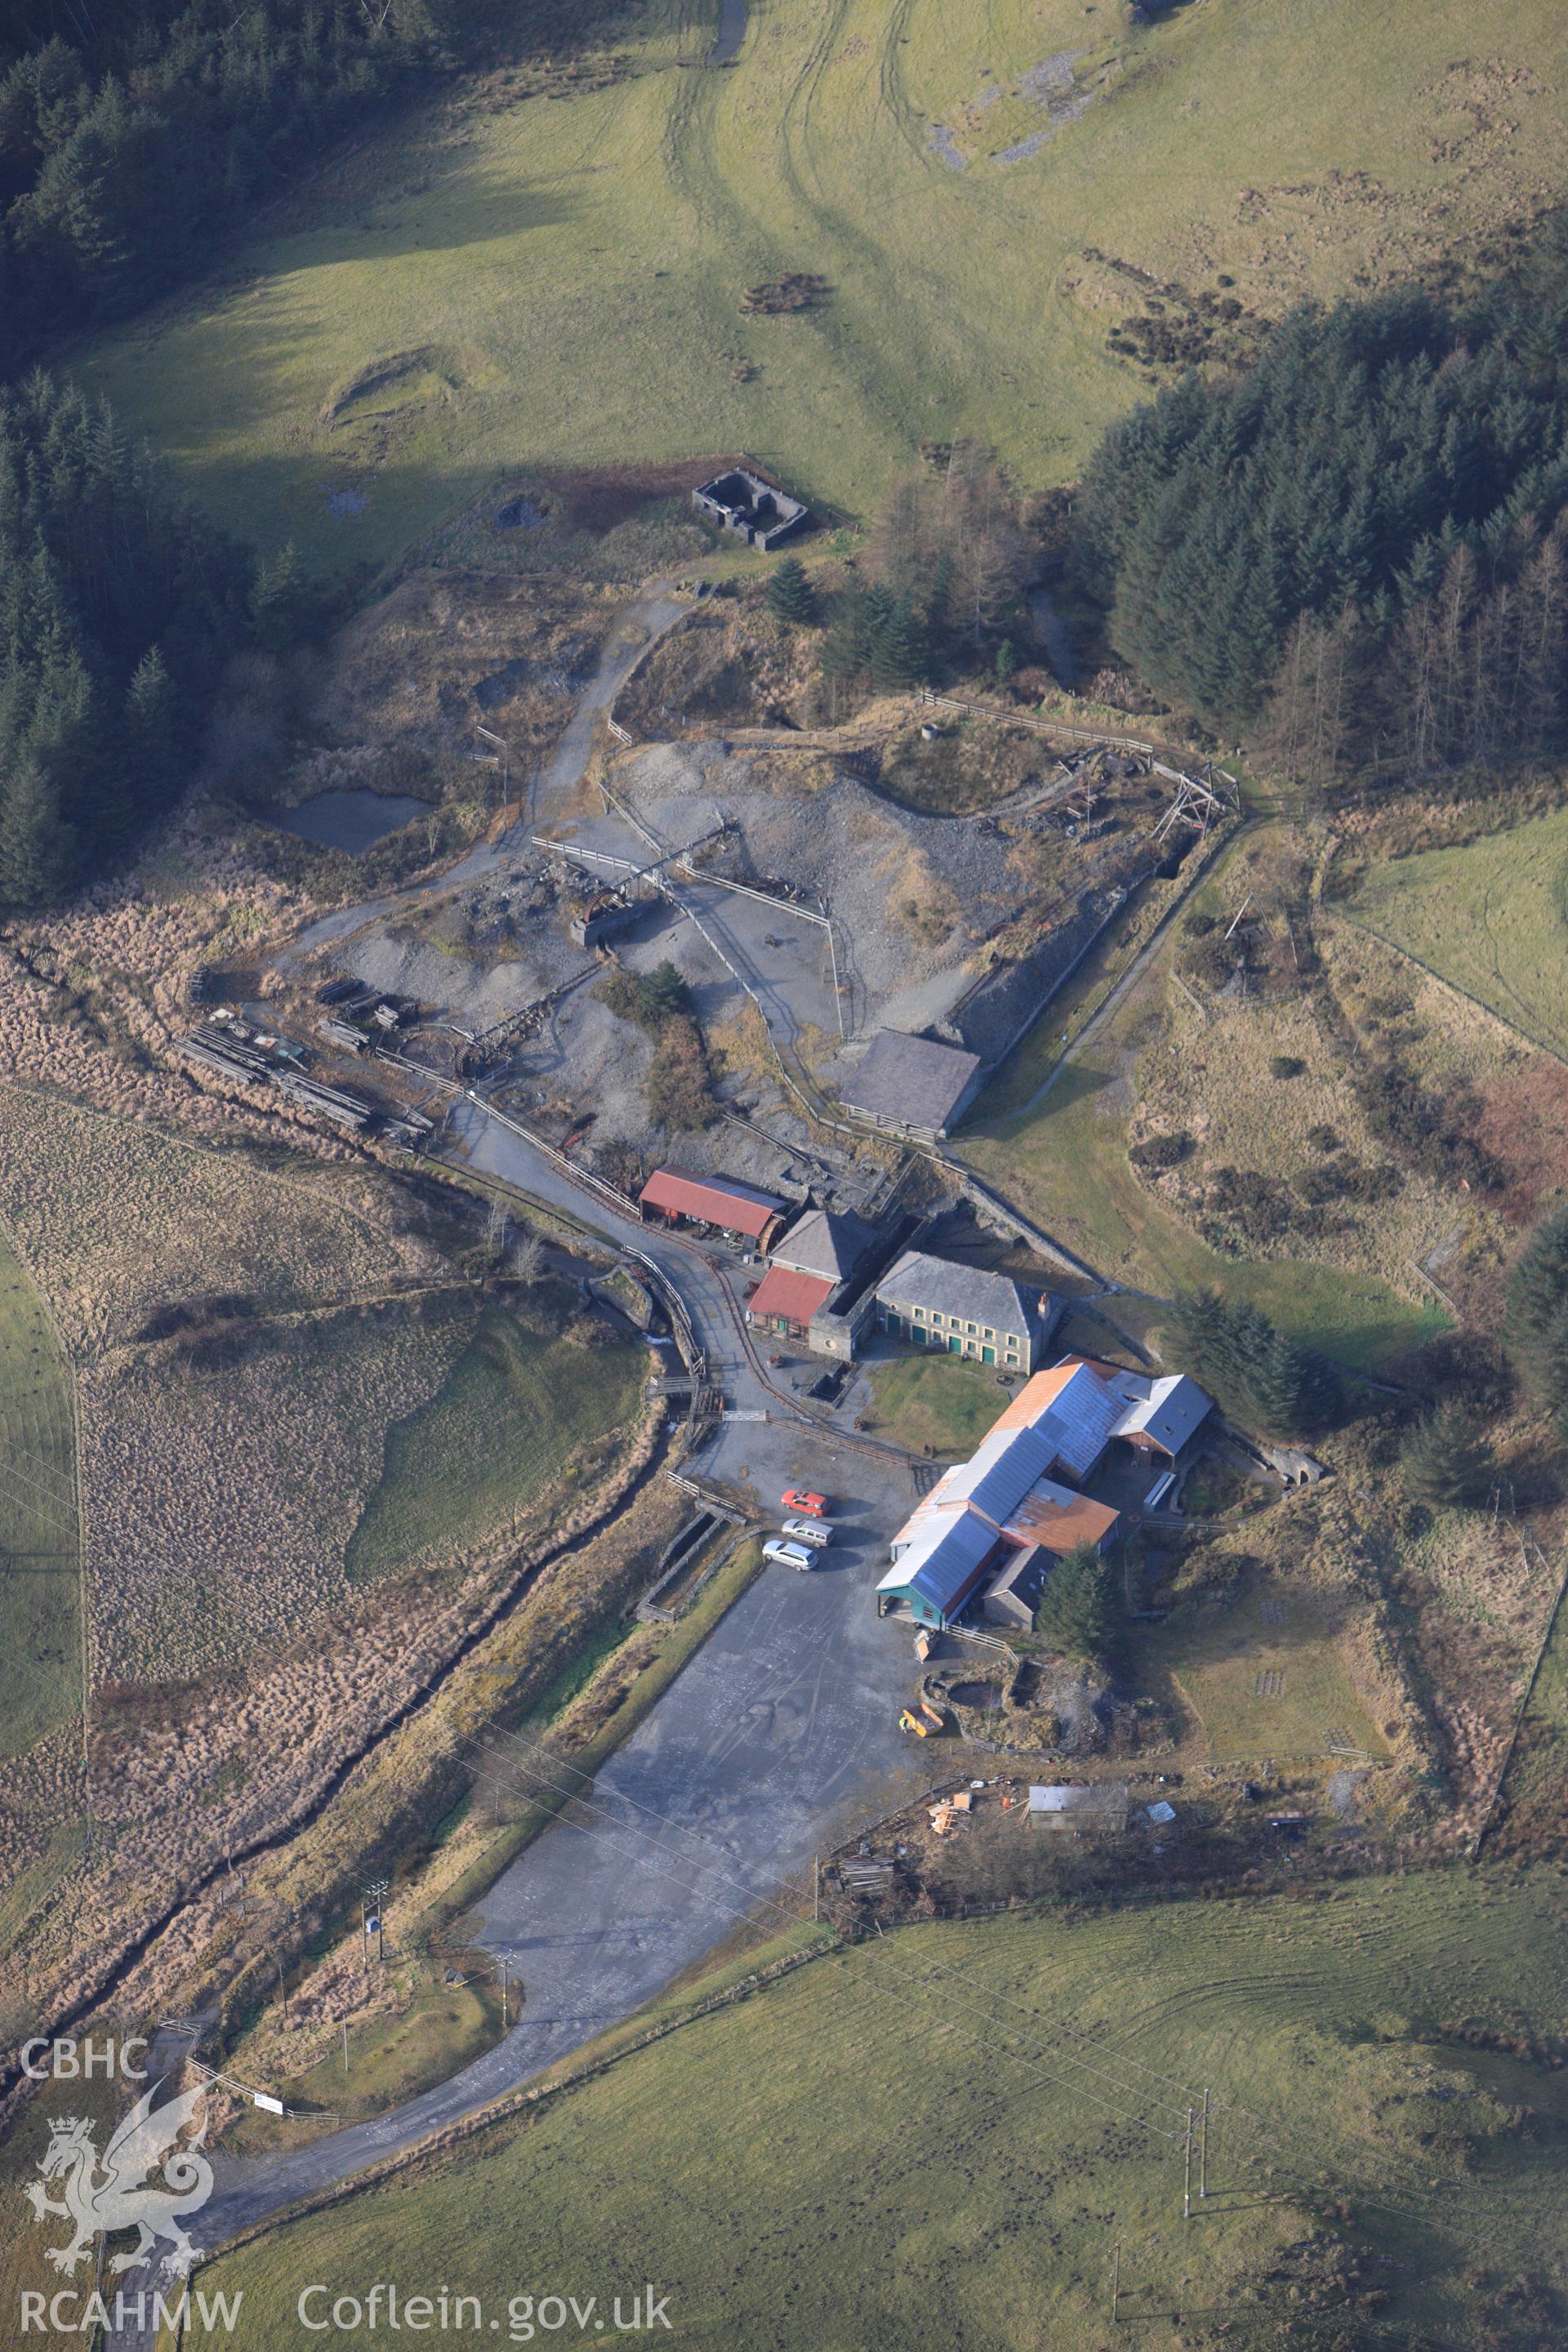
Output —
(1172, 1409)
(936, 1283)
(825, 1242)
(910, 1081)
(1103, 1797)
(942, 1564)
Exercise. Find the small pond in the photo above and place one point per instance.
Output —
(732, 32)
(981, 1695)
(519, 514)
(348, 820)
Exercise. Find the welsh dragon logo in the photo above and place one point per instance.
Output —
(113, 2192)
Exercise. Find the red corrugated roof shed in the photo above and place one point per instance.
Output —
(795, 1297)
(716, 1200)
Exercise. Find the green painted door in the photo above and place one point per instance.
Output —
(955, 1347)
(988, 1355)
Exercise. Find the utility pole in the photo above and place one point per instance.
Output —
(1115, 2279)
(816, 1886)
(505, 761)
(505, 1997)
(282, 1989)
(1187, 2182)
(1203, 2152)
(370, 1916)
(345, 2046)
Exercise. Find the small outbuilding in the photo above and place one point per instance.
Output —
(1101, 1807)
(912, 1086)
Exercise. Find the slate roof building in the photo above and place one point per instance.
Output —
(808, 1293)
(827, 1242)
(912, 1086)
(932, 1302)
(682, 1198)
(784, 1302)
(1161, 1414)
(992, 1527)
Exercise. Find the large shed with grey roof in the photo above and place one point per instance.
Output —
(912, 1084)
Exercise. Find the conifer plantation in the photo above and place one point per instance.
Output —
(116, 609)
(1360, 545)
(135, 133)
(1255, 1372)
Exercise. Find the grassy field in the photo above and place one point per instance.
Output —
(516, 282)
(40, 1620)
(936, 1401)
(516, 1402)
(918, 2147)
(1491, 917)
(1256, 1686)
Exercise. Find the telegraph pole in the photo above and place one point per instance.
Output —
(505, 761)
(370, 1913)
(1187, 2182)
(1203, 2152)
(345, 2046)
(1115, 2279)
(816, 1886)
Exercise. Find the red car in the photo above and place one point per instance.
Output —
(795, 1498)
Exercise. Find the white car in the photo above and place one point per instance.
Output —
(788, 1555)
(814, 1532)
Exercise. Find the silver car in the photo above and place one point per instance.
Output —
(788, 1555)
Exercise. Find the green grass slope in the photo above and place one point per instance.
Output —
(513, 1410)
(557, 280)
(1491, 917)
(40, 1625)
(917, 2147)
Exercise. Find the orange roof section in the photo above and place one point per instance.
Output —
(1039, 1391)
(1059, 1525)
(795, 1297)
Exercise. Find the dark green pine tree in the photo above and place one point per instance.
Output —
(37, 849)
(1535, 1325)
(1079, 1612)
(1192, 1330)
(150, 731)
(791, 596)
(1444, 1460)
(846, 642)
(898, 647)
(281, 599)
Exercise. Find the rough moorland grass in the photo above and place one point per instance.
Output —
(40, 1623)
(936, 1401)
(557, 282)
(516, 1405)
(1064, 1158)
(914, 2147)
(118, 1219)
(1491, 917)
